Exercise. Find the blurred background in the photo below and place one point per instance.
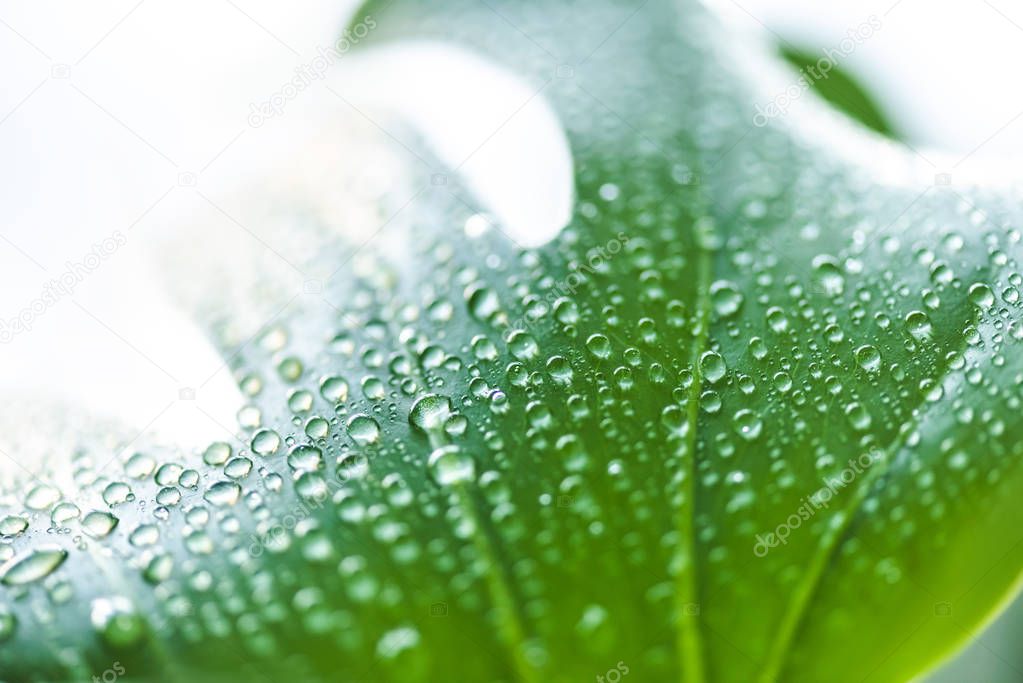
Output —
(121, 120)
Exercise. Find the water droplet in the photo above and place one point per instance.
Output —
(317, 428)
(63, 513)
(429, 413)
(777, 320)
(599, 345)
(868, 358)
(223, 493)
(13, 525)
(450, 466)
(757, 348)
(32, 565)
(396, 641)
(265, 442)
(290, 369)
(981, 295)
(169, 474)
(918, 325)
(117, 493)
(747, 424)
(216, 453)
(726, 298)
(958, 460)
(144, 535)
(139, 466)
(334, 389)
(373, 388)
(305, 457)
(858, 416)
(363, 429)
(483, 348)
(158, 568)
(712, 366)
(782, 382)
(300, 401)
(238, 468)
(828, 275)
(41, 497)
(99, 524)
(483, 303)
(559, 369)
(522, 345)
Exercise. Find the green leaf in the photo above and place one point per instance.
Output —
(477, 462)
(841, 89)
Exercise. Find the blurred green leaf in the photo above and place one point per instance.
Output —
(843, 90)
(751, 416)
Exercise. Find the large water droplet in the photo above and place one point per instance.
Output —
(223, 493)
(450, 465)
(265, 442)
(430, 412)
(32, 565)
(99, 524)
(726, 298)
(981, 295)
(868, 358)
(747, 424)
(305, 457)
(828, 275)
(712, 366)
(363, 429)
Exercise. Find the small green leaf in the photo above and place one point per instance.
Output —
(842, 89)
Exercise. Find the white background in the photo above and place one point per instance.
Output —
(103, 107)
(159, 88)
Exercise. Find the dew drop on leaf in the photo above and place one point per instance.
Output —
(32, 565)
(429, 413)
(13, 525)
(747, 424)
(305, 458)
(216, 453)
(363, 429)
(42, 497)
(868, 358)
(449, 465)
(726, 298)
(334, 389)
(712, 366)
(599, 345)
(223, 493)
(265, 442)
(918, 325)
(981, 295)
(828, 275)
(99, 524)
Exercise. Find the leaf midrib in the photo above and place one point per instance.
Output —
(794, 616)
(690, 637)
